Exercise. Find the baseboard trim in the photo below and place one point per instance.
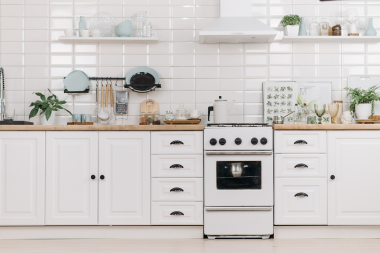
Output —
(101, 232)
(322, 232)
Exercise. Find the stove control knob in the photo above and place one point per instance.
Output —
(222, 141)
(238, 141)
(213, 141)
(254, 141)
(264, 141)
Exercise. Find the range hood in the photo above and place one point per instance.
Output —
(236, 25)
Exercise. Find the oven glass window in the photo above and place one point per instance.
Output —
(238, 175)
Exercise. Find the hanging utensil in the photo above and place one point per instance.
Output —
(112, 113)
(103, 115)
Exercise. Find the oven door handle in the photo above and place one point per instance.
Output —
(239, 152)
(216, 209)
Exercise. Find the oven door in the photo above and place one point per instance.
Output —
(238, 178)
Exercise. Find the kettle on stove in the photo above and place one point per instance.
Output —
(221, 110)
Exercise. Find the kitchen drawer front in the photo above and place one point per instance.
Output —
(177, 213)
(300, 201)
(179, 142)
(177, 166)
(175, 189)
(300, 165)
(300, 142)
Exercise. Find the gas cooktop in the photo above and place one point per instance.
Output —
(239, 125)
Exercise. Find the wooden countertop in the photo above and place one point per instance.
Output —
(104, 128)
(327, 127)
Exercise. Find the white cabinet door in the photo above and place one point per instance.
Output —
(354, 193)
(71, 193)
(22, 178)
(124, 192)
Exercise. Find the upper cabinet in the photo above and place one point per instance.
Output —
(354, 176)
(22, 178)
(71, 178)
(124, 185)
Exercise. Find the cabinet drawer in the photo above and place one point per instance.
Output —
(177, 213)
(177, 166)
(179, 142)
(300, 201)
(299, 165)
(175, 189)
(300, 142)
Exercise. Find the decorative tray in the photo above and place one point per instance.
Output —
(80, 123)
(180, 122)
(367, 121)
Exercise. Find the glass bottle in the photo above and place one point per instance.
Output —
(304, 114)
(149, 119)
(142, 120)
(315, 28)
(325, 27)
(296, 119)
(169, 115)
(156, 119)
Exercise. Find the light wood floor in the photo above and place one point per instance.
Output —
(192, 245)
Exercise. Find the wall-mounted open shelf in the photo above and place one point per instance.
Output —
(331, 39)
(109, 39)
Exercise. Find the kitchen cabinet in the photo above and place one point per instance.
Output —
(354, 176)
(71, 178)
(124, 172)
(22, 178)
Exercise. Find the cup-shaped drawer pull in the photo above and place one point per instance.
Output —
(176, 166)
(300, 142)
(176, 189)
(176, 143)
(301, 165)
(176, 213)
(301, 194)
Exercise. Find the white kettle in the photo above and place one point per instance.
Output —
(221, 110)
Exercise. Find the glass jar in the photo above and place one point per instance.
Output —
(156, 119)
(181, 113)
(142, 120)
(169, 115)
(149, 119)
(304, 114)
(315, 28)
(297, 117)
(325, 27)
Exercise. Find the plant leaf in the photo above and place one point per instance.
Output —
(48, 113)
(33, 112)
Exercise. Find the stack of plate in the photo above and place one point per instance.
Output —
(76, 81)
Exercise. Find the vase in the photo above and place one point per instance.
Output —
(292, 30)
(51, 120)
(363, 111)
(303, 31)
(371, 31)
(82, 25)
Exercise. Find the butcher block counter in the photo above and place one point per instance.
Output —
(326, 127)
(103, 128)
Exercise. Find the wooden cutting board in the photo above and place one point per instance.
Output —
(150, 106)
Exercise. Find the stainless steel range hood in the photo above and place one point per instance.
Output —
(236, 25)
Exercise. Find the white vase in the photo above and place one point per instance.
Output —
(48, 122)
(292, 30)
(363, 111)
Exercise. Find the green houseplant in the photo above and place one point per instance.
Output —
(47, 108)
(291, 23)
(363, 101)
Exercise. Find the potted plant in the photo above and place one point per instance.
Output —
(363, 101)
(291, 23)
(47, 108)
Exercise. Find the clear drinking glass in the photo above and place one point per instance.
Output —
(362, 26)
(315, 28)
(351, 16)
(320, 110)
(333, 111)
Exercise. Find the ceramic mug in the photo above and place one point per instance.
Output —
(195, 114)
(86, 117)
(69, 33)
(95, 33)
(85, 33)
(77, 117)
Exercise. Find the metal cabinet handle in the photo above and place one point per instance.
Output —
(177, 213)
(93, 177)
(102, 177)
(176, 166)
(300, 142)
(176, 143)
(176, 189)
(301, 165)
(301, 194)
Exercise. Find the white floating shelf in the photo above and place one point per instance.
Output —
(331, 39)
(109, 39)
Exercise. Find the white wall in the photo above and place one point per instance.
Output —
(192, 73)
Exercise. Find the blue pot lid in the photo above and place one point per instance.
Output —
(76, 81)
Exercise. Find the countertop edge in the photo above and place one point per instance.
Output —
(103, 128)
(326, 127)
